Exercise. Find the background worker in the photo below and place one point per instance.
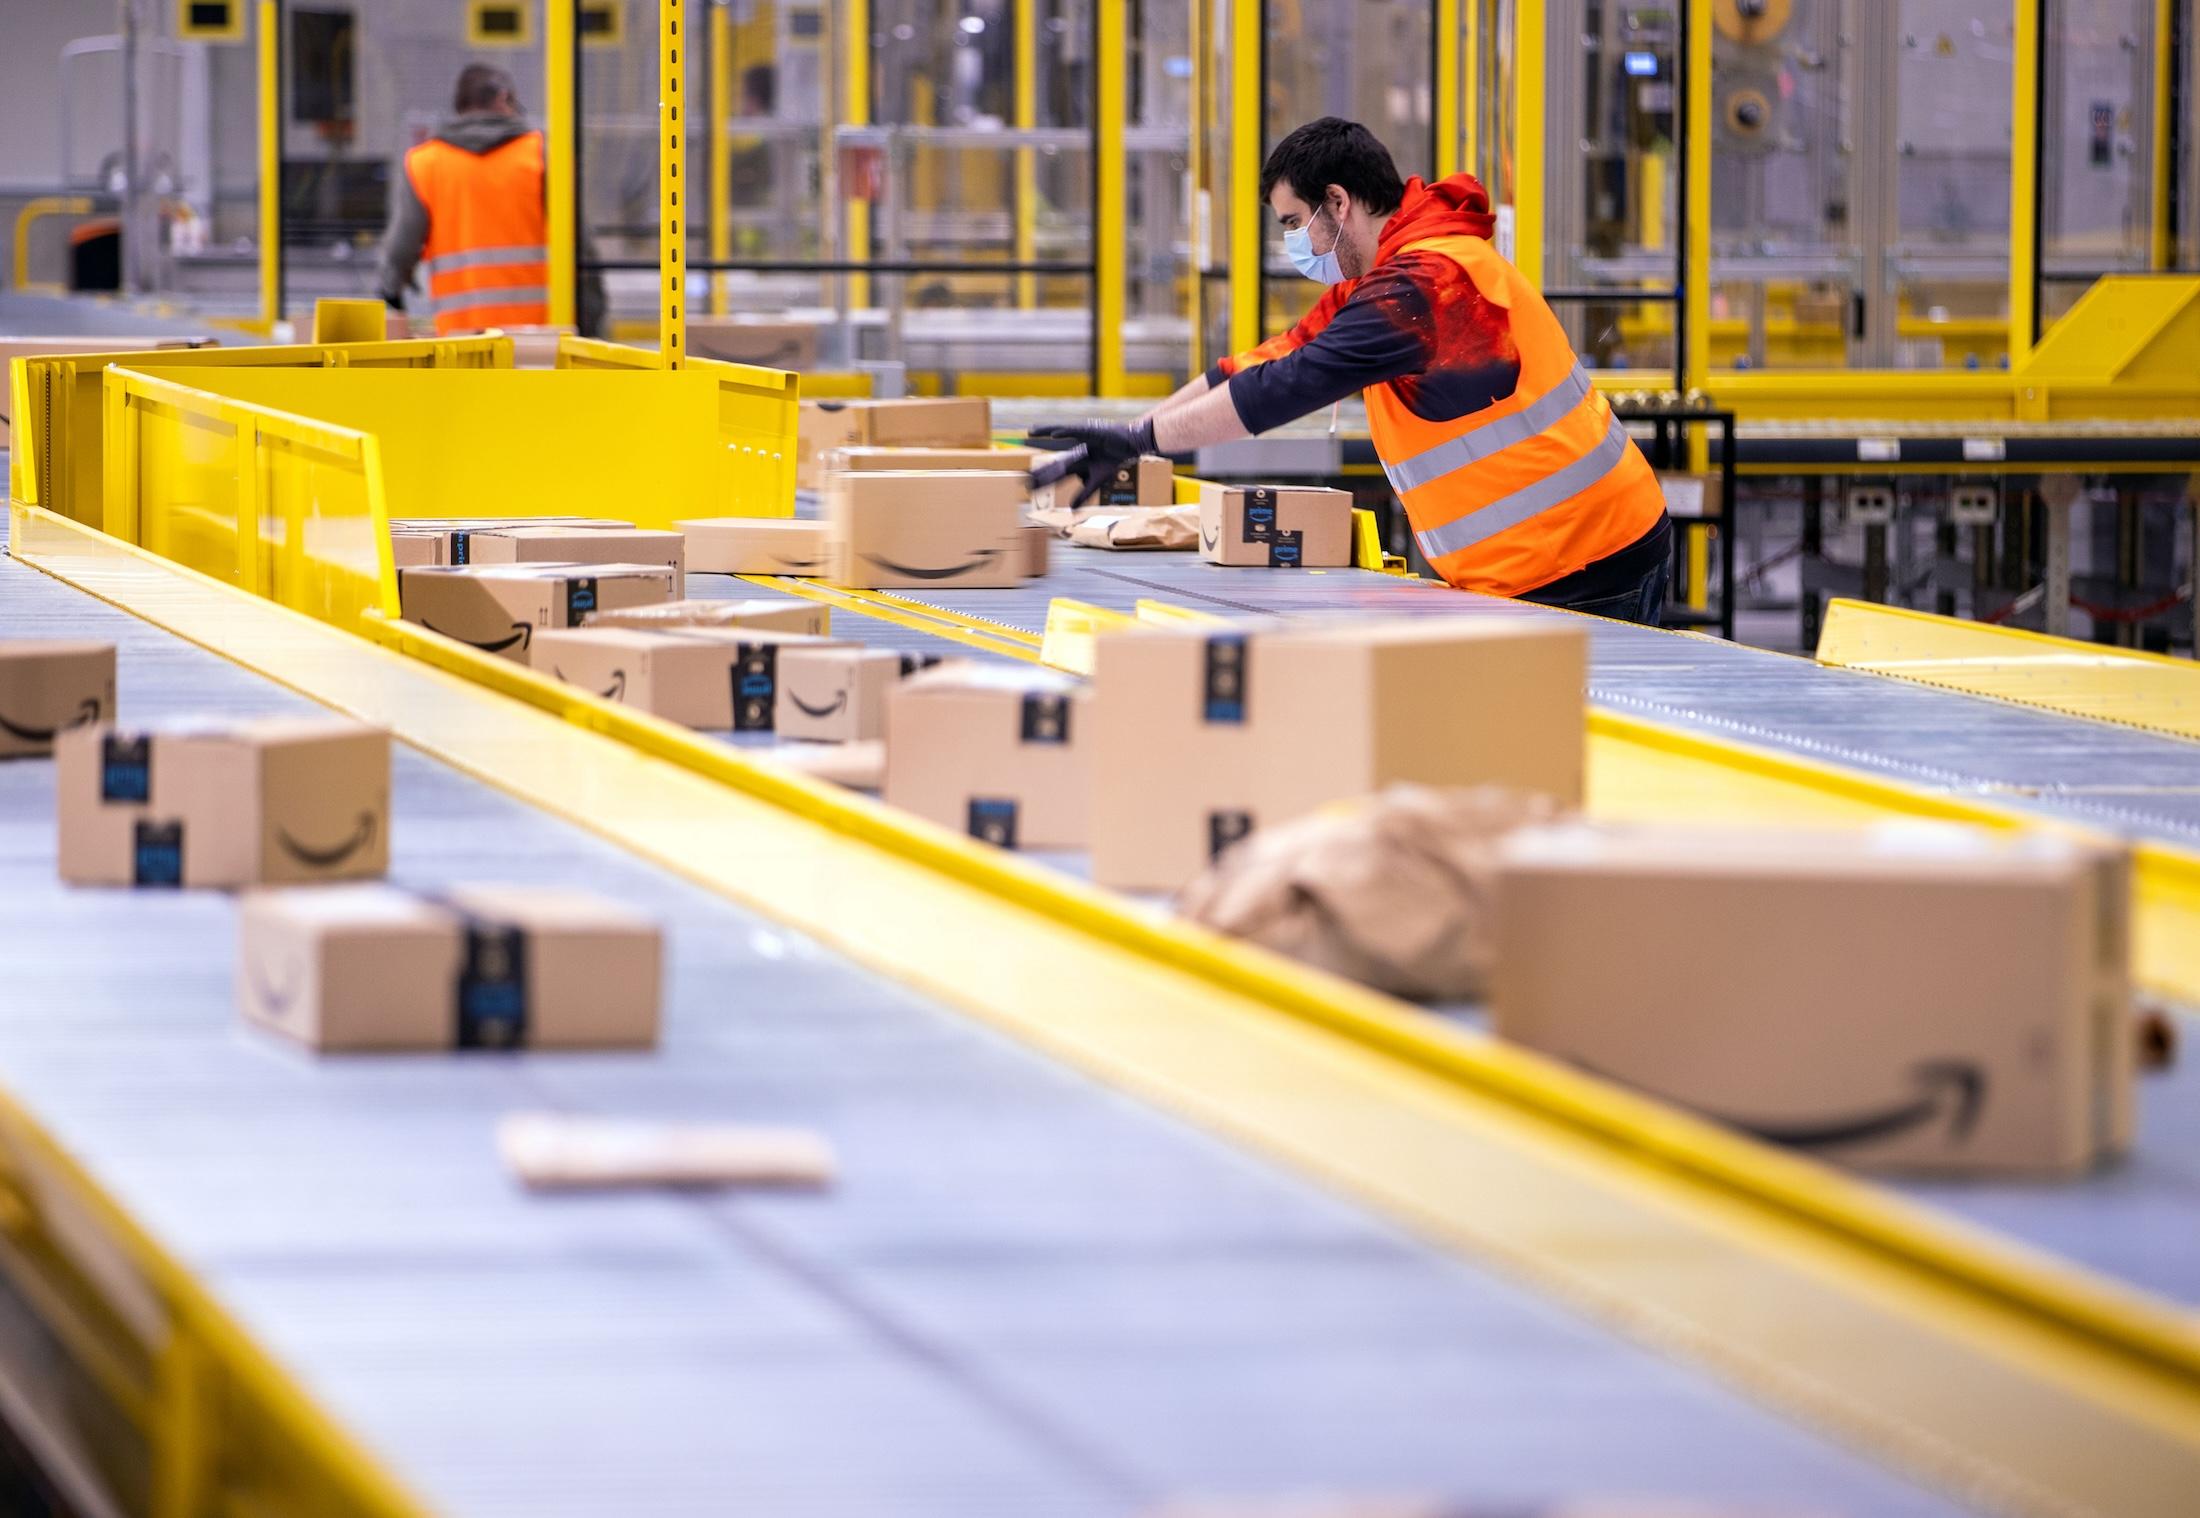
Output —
(467, 208)
(1516, 478)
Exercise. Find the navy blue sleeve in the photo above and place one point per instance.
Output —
(1384, 332)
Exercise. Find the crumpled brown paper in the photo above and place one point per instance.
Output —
(1394, 890)
(1122, 527)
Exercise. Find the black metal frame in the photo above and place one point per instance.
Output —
(1668, 450)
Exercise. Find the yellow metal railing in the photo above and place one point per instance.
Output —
(276, 504)
(58, 413)
(757, 409)
(32, 213)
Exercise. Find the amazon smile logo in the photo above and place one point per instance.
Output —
(362, 836)
(830, 708)
(615, 691)
(983, 557)
(798, 566)
(1950, 1089)
(275, 998)
(1210, 540)
(87, 712)
(523, 633)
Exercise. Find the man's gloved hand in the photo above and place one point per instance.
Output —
(1107, 446)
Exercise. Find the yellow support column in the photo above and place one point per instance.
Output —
(671, 216)
(1026, 208)
(1529, 66)
(721, 151)
(1111, 194)
(2024, 182)
(1695, 213)
(1195, 176)
(1448, 93)
(1470, 73)
(563, 131)
(1245, 208)
(857, 112)
(271, 165)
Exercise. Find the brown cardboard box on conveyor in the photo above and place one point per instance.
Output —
(1911, 996)
(947, 422)
(1276, 526)
(756, 546)
(475, 967)
(498, 608)
(48, 685)
(1000, 752)
(266, 801)
(949, 530)
(1188, 723)
(716, 678)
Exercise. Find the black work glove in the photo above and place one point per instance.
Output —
(1097, 451)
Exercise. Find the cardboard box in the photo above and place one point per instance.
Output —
(1038, 551)
(582, 545)
(1203, 733)
(1915, 996)
(836, 693)
(1000, 752)
(756, 545)
(958, 421)
(873, 459)
(712, 678)
(269, 801)
(791, 616)
(1148, 480)
(953, 530)
(49, 685)
(448, 540)
(475, 967)
(821, 427)
(498, 608)
(1281, 527)
(772, 344)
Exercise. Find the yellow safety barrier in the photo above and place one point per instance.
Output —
(57, 409)
(275, 504)
(33, 211)
(641, 447)
(756, 422)
(350, 321)
(2033, 669)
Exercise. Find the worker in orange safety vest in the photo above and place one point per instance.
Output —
(467, 210)
(1516, 477)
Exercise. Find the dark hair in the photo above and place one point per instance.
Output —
(759, 87)
(1333, 151)
(480, 87)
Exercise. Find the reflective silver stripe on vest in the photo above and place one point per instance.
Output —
(484, 258)
(1511, 510)
(496, 295)
(1471, 447)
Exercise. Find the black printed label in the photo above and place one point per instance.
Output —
(1286, 550)
(755, 687)
(1260, 514)
(1045, 718)
(1123, 489)
(125, 769)
(492, 988)
(1225, 828)
(911, 663)
(1223, 699)
(462, 545)
(580, 599)
(156, 854)
(993, 821)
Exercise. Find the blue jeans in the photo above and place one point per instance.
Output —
(1643, 602)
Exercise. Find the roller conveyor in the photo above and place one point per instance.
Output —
(1028, 1295)
(2130, 1223)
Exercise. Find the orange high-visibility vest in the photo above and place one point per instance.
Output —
(1526, 491)
(487, 257)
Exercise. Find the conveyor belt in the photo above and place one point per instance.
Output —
(1029, 1295)
(2133, 1222)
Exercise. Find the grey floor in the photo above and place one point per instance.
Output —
(1028, 1295)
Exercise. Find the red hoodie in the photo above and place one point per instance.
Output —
(1415, 320)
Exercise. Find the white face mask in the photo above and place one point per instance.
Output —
(1298, 244)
